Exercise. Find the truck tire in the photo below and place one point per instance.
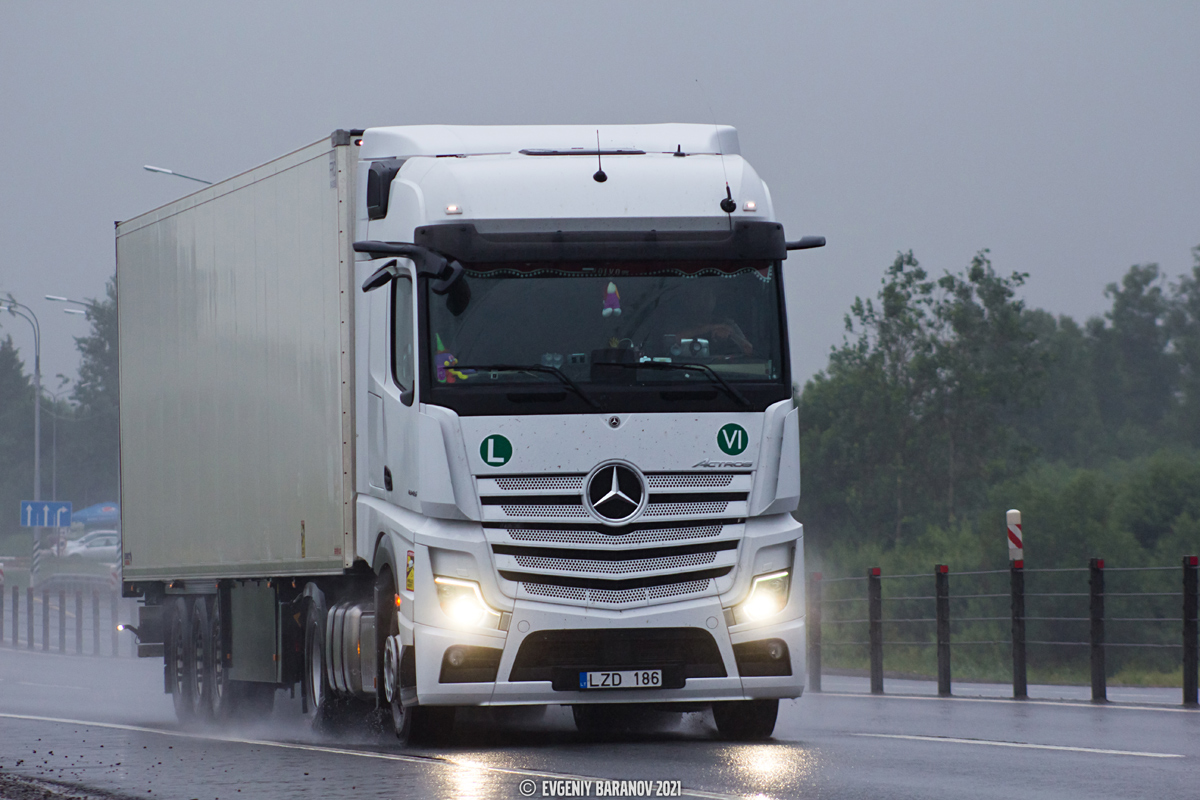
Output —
(429, 724)
(180, 658)
(222, 698)
(316, 696)
(202, 658)
(746, 720)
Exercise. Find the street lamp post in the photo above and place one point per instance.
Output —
(62, 388)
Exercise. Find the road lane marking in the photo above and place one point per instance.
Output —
(1023, 745)
(444, 761)
(53, 685)
(1009, 701)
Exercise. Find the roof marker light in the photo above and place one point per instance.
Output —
(749, 205)
(453, 209)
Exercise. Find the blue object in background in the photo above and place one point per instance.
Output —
(45, 514)
(107, 513)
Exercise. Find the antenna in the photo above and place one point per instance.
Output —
(599, 177)
(728, 204)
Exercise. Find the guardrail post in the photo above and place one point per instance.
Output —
(45, 621)
(112, 618)
(1, 613)
(1189, 629)
(16, 616)
(95, 623)
(875, 628)
(814, 632)
(62, 621)
(941, 586)
(29, 615)
(78, 622)
(1096, 612)
(1017, 581)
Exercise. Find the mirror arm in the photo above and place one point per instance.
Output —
(429, 263)
(806, 243)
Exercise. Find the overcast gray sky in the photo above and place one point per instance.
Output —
(1063, 136)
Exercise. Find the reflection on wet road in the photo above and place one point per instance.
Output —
(104, 723)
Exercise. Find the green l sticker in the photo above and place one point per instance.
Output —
(495, 450)
(732, 439)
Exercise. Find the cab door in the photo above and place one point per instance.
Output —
(391, 393)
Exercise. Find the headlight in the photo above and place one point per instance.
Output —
(463, 603)
(768, 596)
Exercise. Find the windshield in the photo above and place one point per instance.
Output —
(596, 330)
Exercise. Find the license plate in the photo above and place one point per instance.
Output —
(625, 679)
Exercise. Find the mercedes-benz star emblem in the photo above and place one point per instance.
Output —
(616, 493)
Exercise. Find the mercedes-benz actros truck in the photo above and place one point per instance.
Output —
(426, 417)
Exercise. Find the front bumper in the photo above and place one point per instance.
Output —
(703, 614)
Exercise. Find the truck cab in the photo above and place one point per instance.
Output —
(577, 449)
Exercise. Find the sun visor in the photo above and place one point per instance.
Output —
(744, 240)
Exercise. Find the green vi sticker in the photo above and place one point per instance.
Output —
(495, 450)
(732, 439)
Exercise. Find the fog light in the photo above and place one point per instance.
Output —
(768, 596)
(463, 603)
(775, 649)
(455, 656)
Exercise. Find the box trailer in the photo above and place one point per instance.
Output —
(426, 417)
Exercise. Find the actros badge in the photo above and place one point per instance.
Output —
(615, 493)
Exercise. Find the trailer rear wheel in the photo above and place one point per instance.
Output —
(218, 677)
(746, 720)
(180, 659)
(201, 660)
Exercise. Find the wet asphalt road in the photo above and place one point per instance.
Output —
(104, 724)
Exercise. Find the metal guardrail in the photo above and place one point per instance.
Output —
(942, 619)
(105, 616)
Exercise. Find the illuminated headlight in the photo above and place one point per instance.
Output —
(463, 603)
(768, 596)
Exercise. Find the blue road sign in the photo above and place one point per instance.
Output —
(45, 514)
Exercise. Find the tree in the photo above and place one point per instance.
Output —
(907, 420)
(16, 434)
(97, 393)
(1133, 370)
(1183, 327)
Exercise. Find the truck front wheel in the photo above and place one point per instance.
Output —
(316, 690)
(746, 720)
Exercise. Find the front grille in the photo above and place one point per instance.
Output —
(621, 597)
(688, 481)
(643, 536)
(563, 483)
(684, 509)
(616, 568)
(543, 653)
(546, 544)
(544, 511)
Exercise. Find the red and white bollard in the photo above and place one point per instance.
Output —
(1016, 543)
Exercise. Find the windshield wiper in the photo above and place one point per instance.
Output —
(555, 371)
(672, 365)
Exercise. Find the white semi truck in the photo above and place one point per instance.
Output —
(418, 418)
